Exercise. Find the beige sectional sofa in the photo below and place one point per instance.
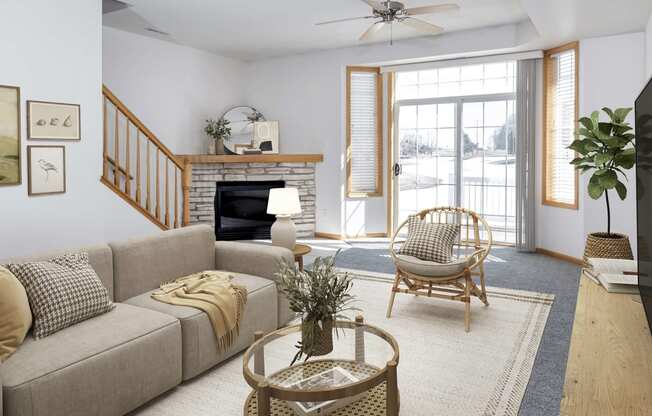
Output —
(113, 363)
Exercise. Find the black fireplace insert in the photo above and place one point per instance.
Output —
(241, 209)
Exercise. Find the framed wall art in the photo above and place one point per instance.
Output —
(9, 135)
(46, 170)
(53, 121)
(266, 136)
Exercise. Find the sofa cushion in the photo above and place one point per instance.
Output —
(100, 258)
(62, 291)
(141, 264)
(107, 365)
(200, 351)
(15, 315)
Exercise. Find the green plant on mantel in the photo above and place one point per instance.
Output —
(319, 295)
(607, 149)
(219, 130)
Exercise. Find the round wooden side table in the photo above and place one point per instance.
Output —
(367, 353)
(299, 251)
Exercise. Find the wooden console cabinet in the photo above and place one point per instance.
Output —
(609, 368)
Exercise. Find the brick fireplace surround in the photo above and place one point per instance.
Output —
(298, 171)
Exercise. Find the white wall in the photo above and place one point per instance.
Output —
(648, 47)
(603, 83)
(53, 53)
(171, 88)
(609, 83)
(306, 94)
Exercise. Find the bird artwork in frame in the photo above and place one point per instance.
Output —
(46, 166)
(53, 121)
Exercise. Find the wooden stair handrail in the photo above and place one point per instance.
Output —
(136, 122)
(164, 210)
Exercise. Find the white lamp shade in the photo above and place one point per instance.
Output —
(283, 201)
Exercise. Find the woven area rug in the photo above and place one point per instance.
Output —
(442, 369)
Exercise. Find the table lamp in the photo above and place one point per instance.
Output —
(284, 202)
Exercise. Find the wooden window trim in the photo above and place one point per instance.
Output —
(390, 153)
(378, 192)
(546, 91)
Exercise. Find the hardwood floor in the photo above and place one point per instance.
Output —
(609, 368)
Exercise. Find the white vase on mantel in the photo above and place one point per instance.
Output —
(211, 146)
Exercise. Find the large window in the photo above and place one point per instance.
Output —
(364, 132)
(560, 180)
(456, 142)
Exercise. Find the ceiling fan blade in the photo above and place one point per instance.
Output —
(421, 26)
(372, 31)
(437, 8)
(376, 5)
(343, 20)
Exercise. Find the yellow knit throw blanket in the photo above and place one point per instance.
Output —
(214, 293)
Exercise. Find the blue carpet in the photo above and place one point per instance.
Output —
(508, 268)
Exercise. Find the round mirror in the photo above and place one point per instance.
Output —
(241, 120)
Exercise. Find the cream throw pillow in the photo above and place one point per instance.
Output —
(15, 315)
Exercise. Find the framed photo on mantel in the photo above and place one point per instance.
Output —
(53, 121)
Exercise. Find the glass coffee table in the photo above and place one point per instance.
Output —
(358, 377)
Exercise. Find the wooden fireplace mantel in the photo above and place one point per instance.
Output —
(265, 158)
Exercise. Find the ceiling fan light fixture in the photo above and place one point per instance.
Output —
(390, 12)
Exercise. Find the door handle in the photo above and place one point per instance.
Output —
(398, 169)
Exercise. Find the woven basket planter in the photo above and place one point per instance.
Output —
(611, 246)
(323, 338)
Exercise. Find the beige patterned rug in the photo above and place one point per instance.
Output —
(442, 369)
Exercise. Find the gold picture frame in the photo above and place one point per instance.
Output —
(10, 148)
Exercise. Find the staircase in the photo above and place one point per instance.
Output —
(140, 169)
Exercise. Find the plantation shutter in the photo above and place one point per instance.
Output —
(364, 138)
(561, 115)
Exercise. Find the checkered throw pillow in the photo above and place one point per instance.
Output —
(62, 291)
(429, 241)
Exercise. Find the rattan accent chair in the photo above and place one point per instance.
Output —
(453, 281)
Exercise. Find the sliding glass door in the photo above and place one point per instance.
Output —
(488, 164)
(427, 161)
(457, 150)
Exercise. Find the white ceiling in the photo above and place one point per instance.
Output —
(255, 29)
(258, 29)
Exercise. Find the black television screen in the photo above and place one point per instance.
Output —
(643, 119)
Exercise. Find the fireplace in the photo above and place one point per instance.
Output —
(241, 209)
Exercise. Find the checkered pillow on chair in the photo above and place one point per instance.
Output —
(429, 241)
(62, 292)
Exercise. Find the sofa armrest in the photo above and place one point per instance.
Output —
(255, 259)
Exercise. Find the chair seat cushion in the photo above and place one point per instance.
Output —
(200, 351)
(108, 364)
(420, 267)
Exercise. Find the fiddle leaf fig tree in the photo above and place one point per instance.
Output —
(606, 149)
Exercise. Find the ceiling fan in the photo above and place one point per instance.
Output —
(390, 12)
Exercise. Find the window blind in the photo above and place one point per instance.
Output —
(364, 132)
(561, 115)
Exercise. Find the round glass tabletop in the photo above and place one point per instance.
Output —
(359, 360)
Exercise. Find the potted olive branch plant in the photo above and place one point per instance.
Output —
(320, 296)
(607, 149)
(220, 131)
